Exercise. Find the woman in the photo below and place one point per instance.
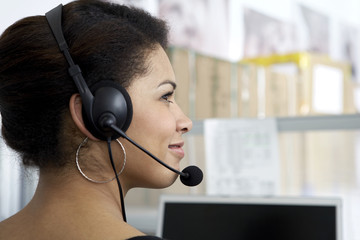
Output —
(44, 120)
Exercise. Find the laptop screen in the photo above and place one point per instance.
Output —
(200, 217)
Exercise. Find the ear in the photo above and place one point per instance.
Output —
(75, 106)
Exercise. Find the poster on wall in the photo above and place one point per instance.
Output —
(315, 30)
(202, 25)
(242, 157)
(264, 35)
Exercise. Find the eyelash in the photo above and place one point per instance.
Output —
(166, 97)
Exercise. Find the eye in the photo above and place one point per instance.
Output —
(167, 96)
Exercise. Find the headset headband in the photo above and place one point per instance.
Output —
(110, 98)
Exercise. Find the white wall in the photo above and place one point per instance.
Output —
(13, 10)
(346, 11)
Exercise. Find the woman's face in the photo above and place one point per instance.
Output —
(157, 125)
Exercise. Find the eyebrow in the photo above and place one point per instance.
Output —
(173, 84)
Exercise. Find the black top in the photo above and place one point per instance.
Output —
(146, 238)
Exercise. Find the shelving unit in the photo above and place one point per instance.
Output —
(306, 123)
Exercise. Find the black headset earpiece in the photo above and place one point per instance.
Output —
(110, 100)
(106, 101)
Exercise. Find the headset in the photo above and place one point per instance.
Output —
(107, 108)
(106, 101)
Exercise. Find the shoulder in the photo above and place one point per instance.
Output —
(145, 238)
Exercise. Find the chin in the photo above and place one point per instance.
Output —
(165, 180)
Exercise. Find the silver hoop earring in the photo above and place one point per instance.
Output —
(90, 179)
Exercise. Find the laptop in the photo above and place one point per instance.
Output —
(195, 217)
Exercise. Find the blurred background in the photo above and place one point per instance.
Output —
(273, 89)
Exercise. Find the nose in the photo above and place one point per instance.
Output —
(183, 123)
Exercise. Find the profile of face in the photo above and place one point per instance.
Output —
(157, 125)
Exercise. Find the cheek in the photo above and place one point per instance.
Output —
(152, 128)
(154, 132)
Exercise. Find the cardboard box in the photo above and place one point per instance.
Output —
(247, 91)
(213, 88)
(317, 85)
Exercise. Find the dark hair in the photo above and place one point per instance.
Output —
(108, 42)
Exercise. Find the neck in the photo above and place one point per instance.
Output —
(73, 190)
(70, 207)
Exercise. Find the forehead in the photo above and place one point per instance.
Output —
(159, 70)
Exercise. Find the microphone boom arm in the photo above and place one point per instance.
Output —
(122, 134)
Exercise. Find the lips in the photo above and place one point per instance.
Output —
(177, 149)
